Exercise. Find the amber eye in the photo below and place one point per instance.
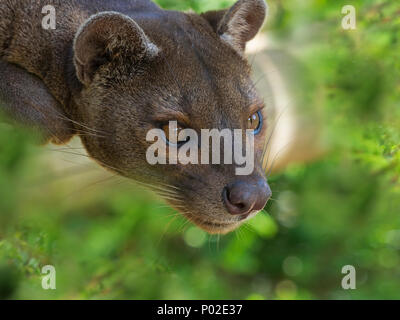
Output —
(254, 122)
(173, 138)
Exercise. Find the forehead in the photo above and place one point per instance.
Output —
(202, 77)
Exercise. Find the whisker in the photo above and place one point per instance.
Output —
(61, 116)
(165, 230)
(278, 154)
(269, 140)
(96, 183)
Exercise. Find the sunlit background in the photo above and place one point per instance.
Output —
(109, 239)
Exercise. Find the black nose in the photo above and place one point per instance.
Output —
(241, 198)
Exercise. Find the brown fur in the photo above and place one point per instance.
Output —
(114, 77)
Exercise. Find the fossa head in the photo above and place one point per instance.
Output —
(140, 74)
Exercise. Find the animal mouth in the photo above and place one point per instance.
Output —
(217, 225)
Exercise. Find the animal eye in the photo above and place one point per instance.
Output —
(254, 122)
(173, 138)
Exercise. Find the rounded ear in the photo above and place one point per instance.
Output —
(106, 37)
(240, 23)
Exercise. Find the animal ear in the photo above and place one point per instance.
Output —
(108, 37)
(240, 23)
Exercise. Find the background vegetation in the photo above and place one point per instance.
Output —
(109, 239)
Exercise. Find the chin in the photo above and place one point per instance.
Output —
(214, 227)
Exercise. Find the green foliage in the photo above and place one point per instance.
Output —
(114, 241)
(196, 5)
